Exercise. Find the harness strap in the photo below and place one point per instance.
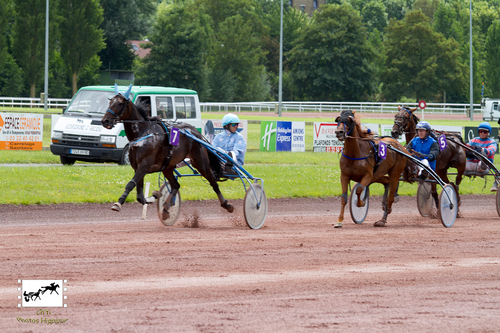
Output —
(354, 158)
(111, 111)
(143, 138)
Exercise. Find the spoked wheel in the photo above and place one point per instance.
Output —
(174, 210)
(448, 206)
(424, 199)
(498, 202)
(255, 214)
(358, 214)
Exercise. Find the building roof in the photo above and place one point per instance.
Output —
(137, 46)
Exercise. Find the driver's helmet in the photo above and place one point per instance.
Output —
(424, 125)
(484, 126)
(230, 119)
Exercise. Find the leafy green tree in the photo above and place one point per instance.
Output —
(420, 62)
(29, 38)
(179, 46)
(6, 11)
(237, 53)
(428, 7)
(123, 20)
(332, 58)
(492, 68)
(374, 15)
(81, 37)
(11, 78)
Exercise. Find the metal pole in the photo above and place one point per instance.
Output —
(471, 69)
(280, 89)
(46, 86)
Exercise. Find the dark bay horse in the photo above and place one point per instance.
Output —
(453, 156)
(360, 162)
(150, 150)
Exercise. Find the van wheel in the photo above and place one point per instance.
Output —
(124, 160)
(67, 160)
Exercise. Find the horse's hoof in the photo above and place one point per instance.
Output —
(165, 215)
(229, 208)
(396, 199)
(338, 225)
(157, 194)
(380, 223)
(360, 203)
(117, 207)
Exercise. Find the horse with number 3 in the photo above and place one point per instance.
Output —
(360, 162)
(154, 147)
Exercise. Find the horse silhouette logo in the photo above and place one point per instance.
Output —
(29, 296)
(42, 293)
(53, 286)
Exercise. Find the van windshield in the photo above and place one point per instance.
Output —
(91, 101)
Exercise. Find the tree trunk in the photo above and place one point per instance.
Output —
(74, 81)
(32, 90)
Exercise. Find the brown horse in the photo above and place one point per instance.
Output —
(360, 162)
(453, 156)
(151, 151)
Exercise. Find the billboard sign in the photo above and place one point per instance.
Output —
(282, 136)
(20, 131)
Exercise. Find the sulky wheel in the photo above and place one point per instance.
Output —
(255, 214)
(448, 206)
(358, 214)
(498, 202)
(174, 210)
(424, 199)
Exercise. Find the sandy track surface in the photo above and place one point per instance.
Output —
(295, 274)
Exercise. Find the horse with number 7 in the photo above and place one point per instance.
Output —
(158, 146)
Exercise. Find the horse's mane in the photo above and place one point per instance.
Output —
(415, 118)
(144, 109)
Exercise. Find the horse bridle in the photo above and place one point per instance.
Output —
(118, 115)
(402, 123)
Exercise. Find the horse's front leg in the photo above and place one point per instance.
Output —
(365, 181)
(138, 177)
(344, 181)
(140, 192)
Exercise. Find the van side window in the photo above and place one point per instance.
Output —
(164, 107)
(185, 107)
(495, 107)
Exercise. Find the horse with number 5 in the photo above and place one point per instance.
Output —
(451, 155)
(360, 162)
(152, 149)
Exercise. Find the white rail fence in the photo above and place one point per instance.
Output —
(452, 108)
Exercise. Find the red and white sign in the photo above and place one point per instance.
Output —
(422, 104)
(325, 140)
(21, 131)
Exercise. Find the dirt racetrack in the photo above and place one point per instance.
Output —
(296, 274)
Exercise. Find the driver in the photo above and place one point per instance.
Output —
(231, 141)
(485, 145)
(424, 147)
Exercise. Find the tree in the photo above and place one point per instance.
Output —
(6, 12)
(492, 56)
(374, 15)
(29, 38)
(123, 20)
(420, 62)
(81, 38)
(179, 47)
(237, 53)
(331, 60)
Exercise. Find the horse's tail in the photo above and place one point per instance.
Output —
(410, 171)
(215, 165)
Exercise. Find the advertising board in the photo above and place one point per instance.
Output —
(20, 131)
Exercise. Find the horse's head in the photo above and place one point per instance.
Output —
(119, 108)
(346, 123)
(401, 121)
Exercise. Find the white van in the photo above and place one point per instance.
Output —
(489, 109)
(79, 135)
